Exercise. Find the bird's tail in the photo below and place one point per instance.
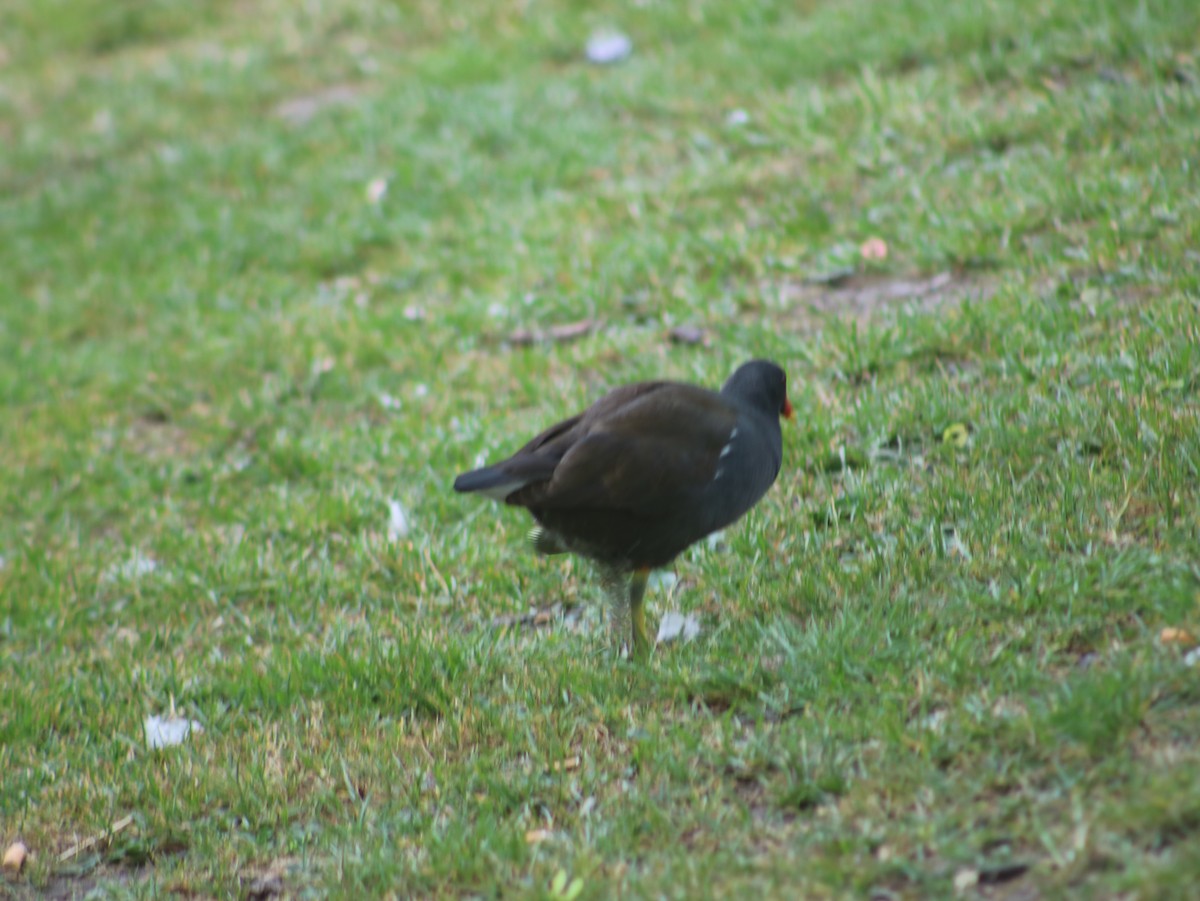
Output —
(489, 481)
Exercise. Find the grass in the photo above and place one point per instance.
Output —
(935, 668)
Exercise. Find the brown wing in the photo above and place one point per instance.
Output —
(641, 455)
(557, 439)
(537, 461)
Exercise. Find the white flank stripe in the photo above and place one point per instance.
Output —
(500, 492)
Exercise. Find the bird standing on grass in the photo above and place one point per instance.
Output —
(642, 474)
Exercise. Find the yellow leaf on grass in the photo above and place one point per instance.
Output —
(15, 856)
(957, 435)
(1171, 635)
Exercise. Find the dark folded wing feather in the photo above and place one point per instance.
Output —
(635, 455)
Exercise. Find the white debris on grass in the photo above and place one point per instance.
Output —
(952, 544)
(609, 46)
(376, 190)
(965, 879)
(398, 525)
(934, 721)
(135, 567)
(675, 625)
(662, 580)
(164, 732)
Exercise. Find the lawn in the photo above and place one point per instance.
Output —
(272, 273)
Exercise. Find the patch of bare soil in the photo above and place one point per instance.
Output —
(299, 110)
(72, 887)
(155, 437)
(864, 296)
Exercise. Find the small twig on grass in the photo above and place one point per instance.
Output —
(89, 843)
(437, 573)
(569, 331)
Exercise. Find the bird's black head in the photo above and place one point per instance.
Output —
(762, 385)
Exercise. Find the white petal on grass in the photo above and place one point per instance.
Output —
(675, 625)
(376, 190)
(398, 526)
(389, 401)
(606, 47)
(716, 540)
(737, 117)
(135, 567)
(1192, 657)
(164, 732)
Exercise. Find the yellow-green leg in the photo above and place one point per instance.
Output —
(637, 613)
(616, 590)
(626, 592)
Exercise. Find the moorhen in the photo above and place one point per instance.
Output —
(643, 473)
